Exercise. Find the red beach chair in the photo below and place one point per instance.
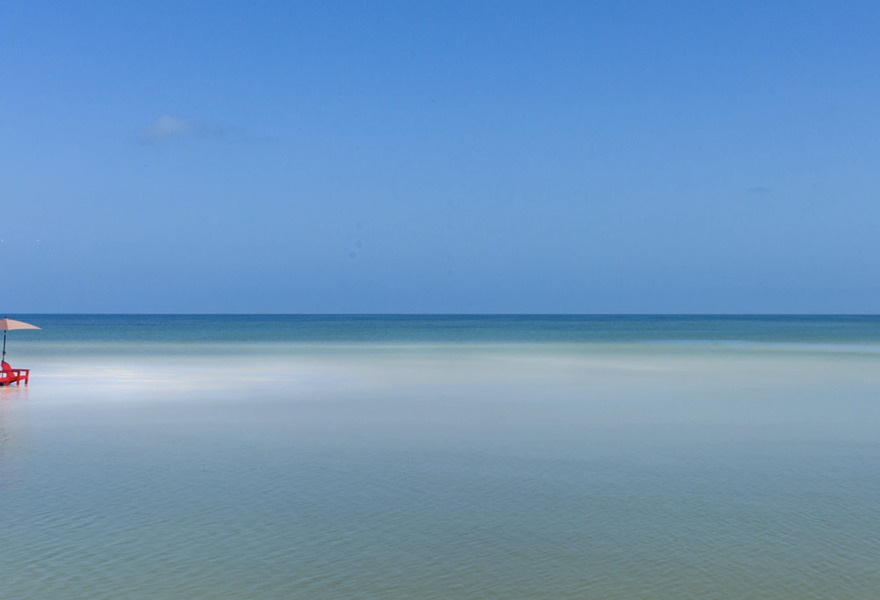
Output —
(8, 375)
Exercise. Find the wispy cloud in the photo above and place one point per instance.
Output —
(168, 127)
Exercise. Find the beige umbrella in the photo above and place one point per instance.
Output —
(8, 324)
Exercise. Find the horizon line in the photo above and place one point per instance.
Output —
(452, 314)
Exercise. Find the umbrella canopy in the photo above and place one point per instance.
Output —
(7, 324)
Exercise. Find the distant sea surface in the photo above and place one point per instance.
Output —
(442, 457)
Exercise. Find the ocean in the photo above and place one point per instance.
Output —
(442, 457)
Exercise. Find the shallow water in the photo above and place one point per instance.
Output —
(442, 457)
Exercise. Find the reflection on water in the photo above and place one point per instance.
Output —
(444, 470)
(14, 427)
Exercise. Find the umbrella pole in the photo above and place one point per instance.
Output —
(4, 345)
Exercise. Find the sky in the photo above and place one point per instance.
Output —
(439, 157)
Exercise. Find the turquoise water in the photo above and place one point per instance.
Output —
(441, 457)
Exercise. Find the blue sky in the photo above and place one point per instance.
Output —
(574, 157)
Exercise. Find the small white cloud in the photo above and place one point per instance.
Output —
(167, 127)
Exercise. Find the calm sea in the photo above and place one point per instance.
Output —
(443, 457)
